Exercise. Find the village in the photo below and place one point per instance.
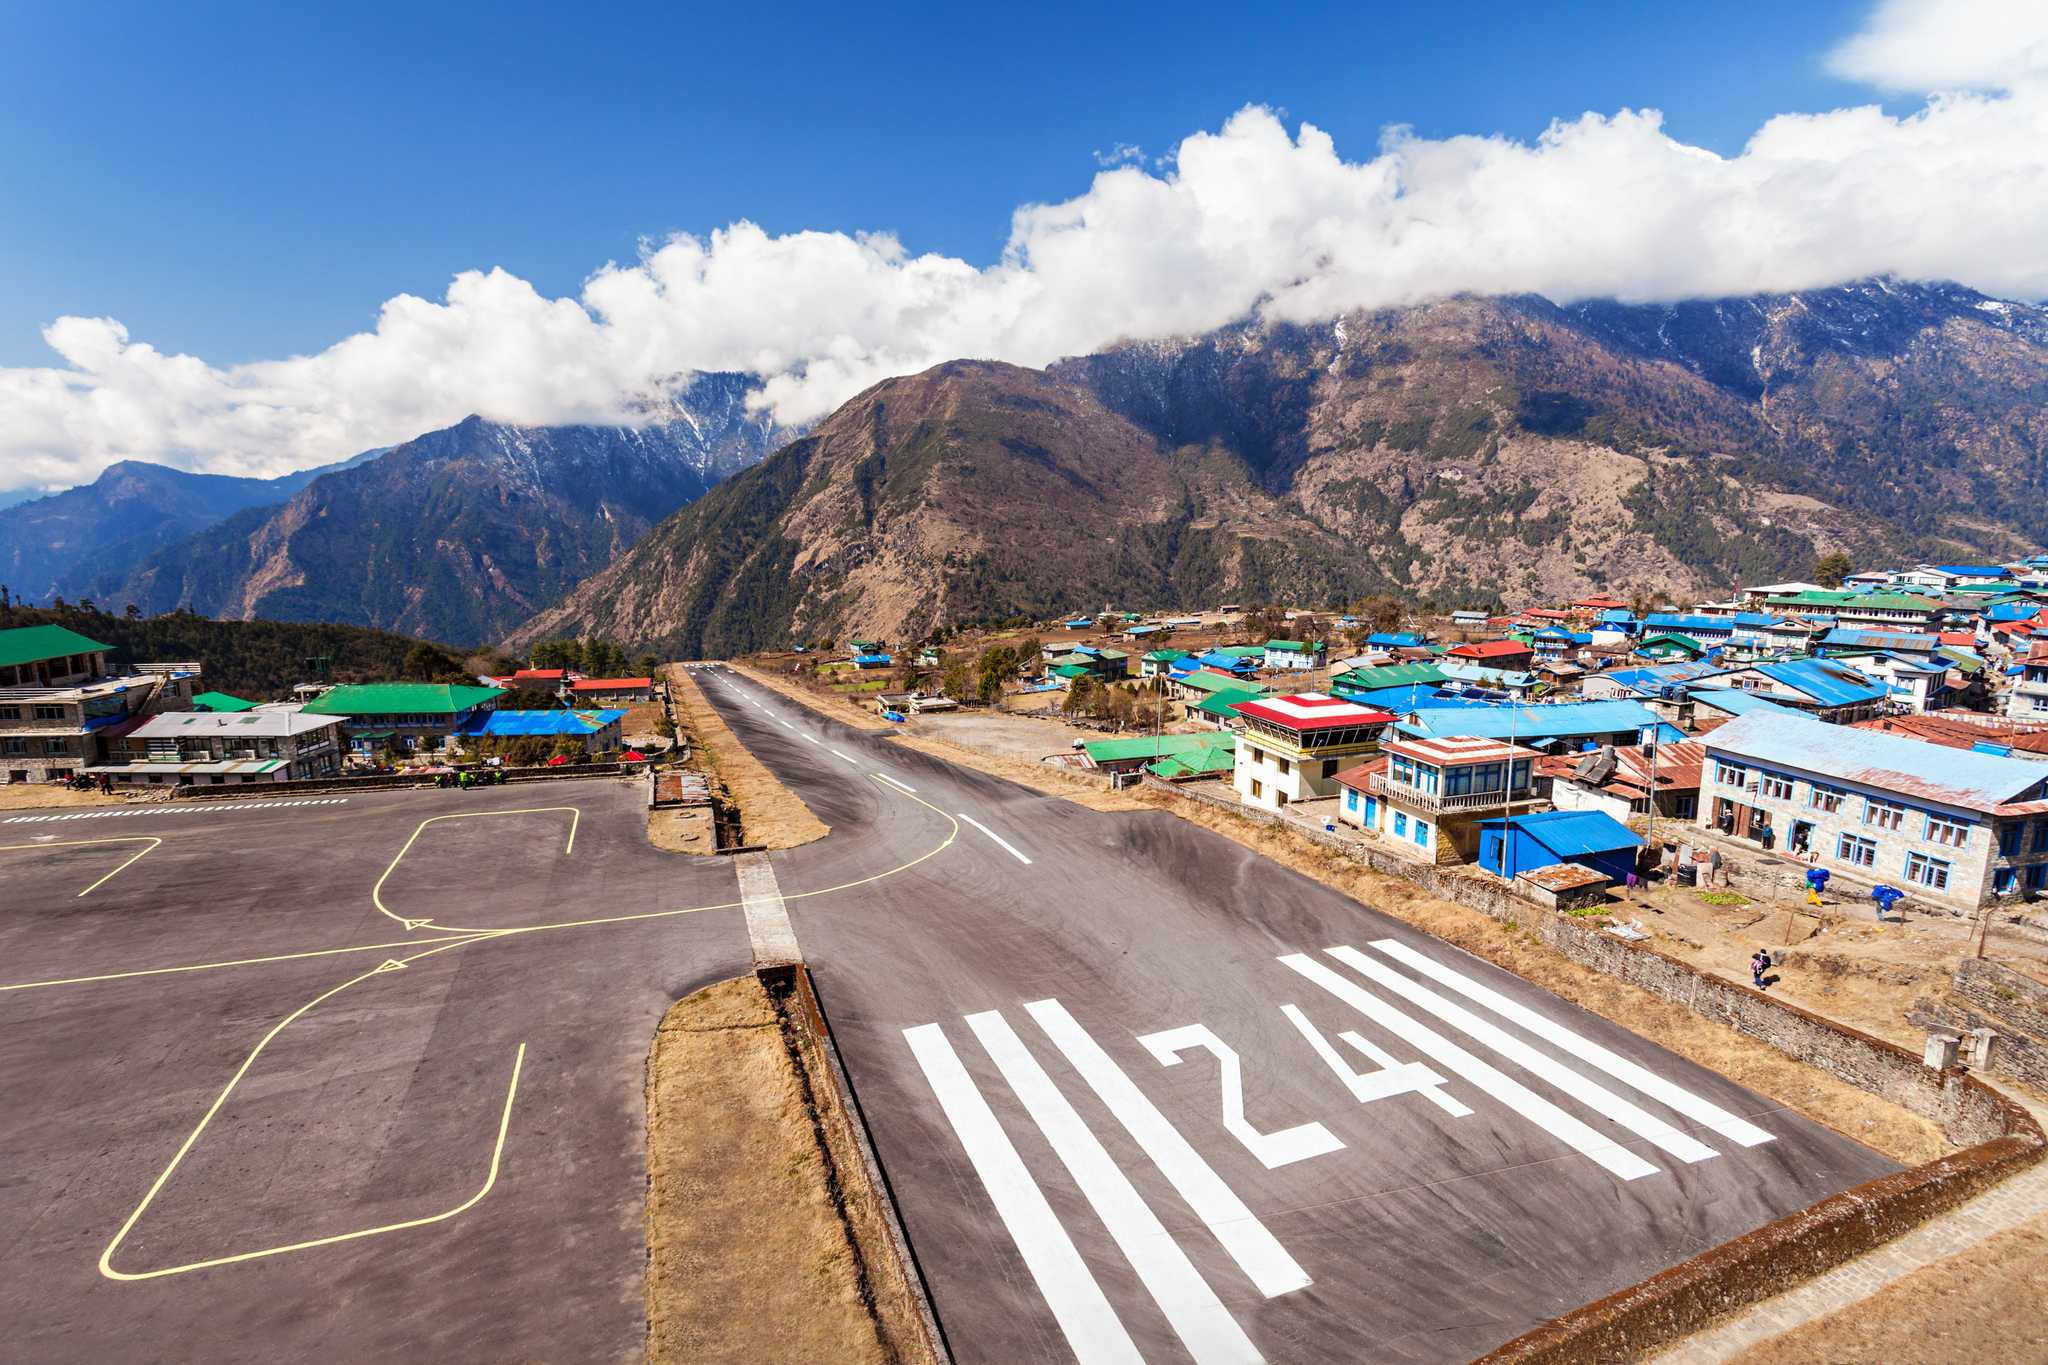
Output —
(1853, 777)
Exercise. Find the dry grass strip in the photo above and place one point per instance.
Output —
(748, 1257)
(771, 814)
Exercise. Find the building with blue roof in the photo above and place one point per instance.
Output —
(1716, 703)
(1831, 691)
(1584, 838)
(596, 730)
(1566, 726)
(1708, 630)
(1395, 639)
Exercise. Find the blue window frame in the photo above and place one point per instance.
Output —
(1401, 824)
(2005, 880)
(1421, 834)
(1931, 873)
(2009, 840)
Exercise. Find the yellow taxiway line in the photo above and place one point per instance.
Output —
(377, 891)
(151, 840)
(106, 1265)
(106, 1262)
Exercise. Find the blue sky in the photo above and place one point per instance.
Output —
(243, 181)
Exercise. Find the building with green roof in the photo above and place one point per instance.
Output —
(1129, 755)
(220, 701)
(1392, 675)
(1884, 610)
(404, 715)
(1216, 707)
(49, 656)
(1217, 760)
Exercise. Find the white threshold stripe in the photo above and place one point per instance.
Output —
(1078, 1304)
(1257, 1251)
(1675, 1097)
(1006, 845)
(1594, 1096)
(894, 783)
(1599, 1148)
(1211, 1335)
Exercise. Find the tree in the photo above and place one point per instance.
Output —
(953, 680)
(425, 662)
(1030, 653)
(1080, 698)
(646, 666)
(997, 663)
(1832, 568)
(908, 673)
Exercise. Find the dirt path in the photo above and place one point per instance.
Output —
(38, 795)
(771, 814)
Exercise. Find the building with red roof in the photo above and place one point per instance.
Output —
(1293, 746)
(614, 689)
(1509, 655)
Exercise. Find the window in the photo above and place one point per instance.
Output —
(2037, 877)
(1856, 851)
(1685, 807)
(1400, 824)
(49, 713)
(1329, 767)
(1258, 789)
(2005, 881)
(1931, 873)
(1282, 765)
(2009, 840)
(1731, 774)
(1884, 814)
(10, 713)
(1942, 829)
(1350, 799)
(2041, 836)
(1826, 798)
(1421, 834)
(1774, 786)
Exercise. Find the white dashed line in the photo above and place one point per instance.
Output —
(848, 757)
(894, 783)
(1006, 845)
(213, 808)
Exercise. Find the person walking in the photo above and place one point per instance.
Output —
(1759, 963)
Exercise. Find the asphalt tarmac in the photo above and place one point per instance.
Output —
(231, 1131)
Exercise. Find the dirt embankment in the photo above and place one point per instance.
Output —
(1981, 1304)
(38, 795)
(1903, 1137)
(751, 1232)
(771, 815)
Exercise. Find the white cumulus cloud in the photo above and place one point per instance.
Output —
(1252, 218)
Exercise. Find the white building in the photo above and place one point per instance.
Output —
(1293, 746)
(226, 748)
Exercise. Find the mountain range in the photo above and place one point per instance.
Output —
(1462, 452)
(456, 535)
(1466, 451)
(59, 545)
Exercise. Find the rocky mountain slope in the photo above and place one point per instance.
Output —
(62, 544)
(1466, 451)
(459, 534)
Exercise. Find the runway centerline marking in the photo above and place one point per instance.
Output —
(894, 783)
(149, 839)
(1007, 846)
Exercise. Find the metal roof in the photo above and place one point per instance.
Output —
(1393, 675)
(520, 724)
(31, 644)
(1562, 720)
(1305, 711)
(400, 699)
(1872, 758)
(1572, 833)
(1828, 684)
(1908, 640)
(220, 701)
(230, 724)
(1150, 746)
(1737, 702)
